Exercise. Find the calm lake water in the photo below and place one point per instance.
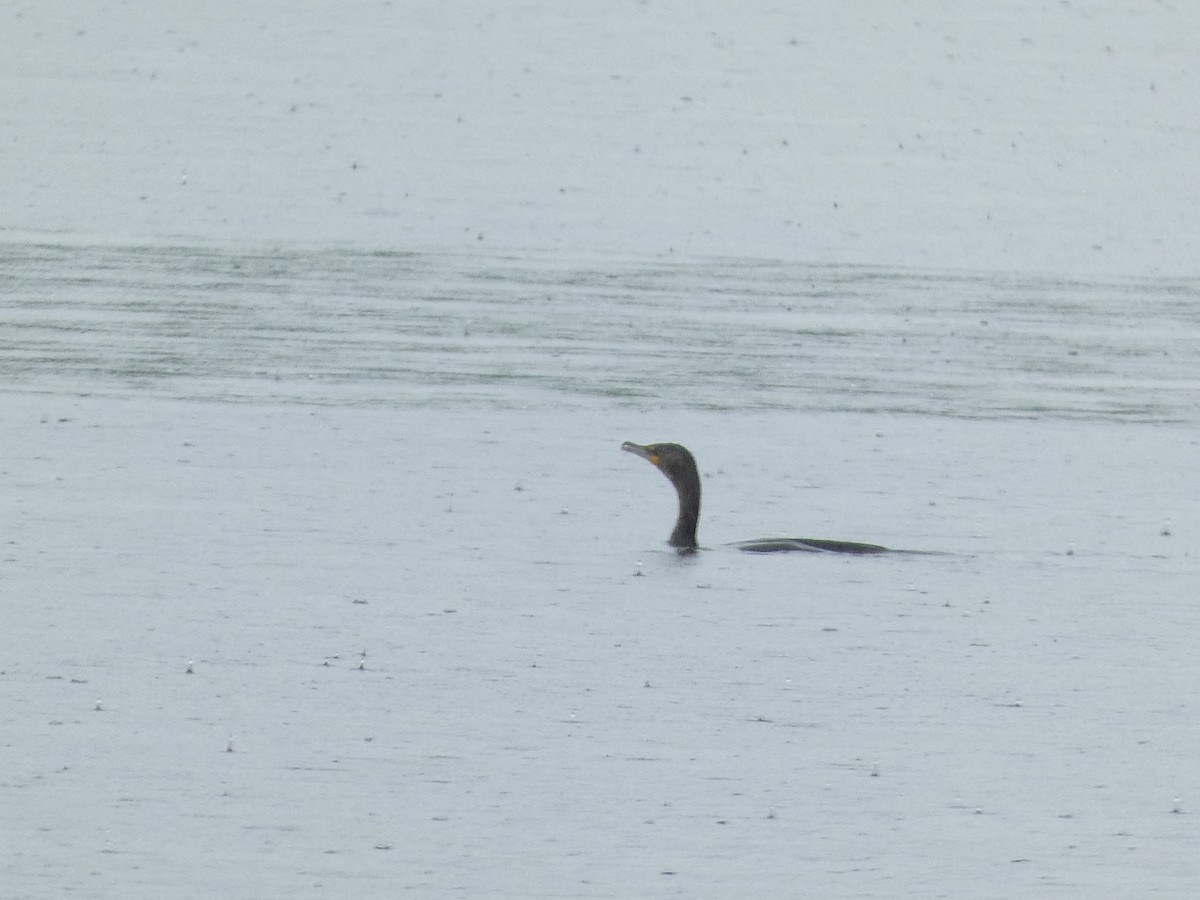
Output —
(327, 564)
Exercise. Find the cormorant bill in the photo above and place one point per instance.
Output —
(677, 463)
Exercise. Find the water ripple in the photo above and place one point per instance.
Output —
(345, 326)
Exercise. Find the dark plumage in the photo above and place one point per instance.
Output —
(677, 463)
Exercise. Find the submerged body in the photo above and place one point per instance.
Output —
(677, 463)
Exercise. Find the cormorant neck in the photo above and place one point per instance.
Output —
(684, 535)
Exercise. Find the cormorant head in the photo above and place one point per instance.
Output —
(677, 463)
(673, 460)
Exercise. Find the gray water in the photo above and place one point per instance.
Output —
(326, 564)
(343, 326)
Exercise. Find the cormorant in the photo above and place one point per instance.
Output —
(677, 463)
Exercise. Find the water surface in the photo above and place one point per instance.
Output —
(326, 563)
(336, 326)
